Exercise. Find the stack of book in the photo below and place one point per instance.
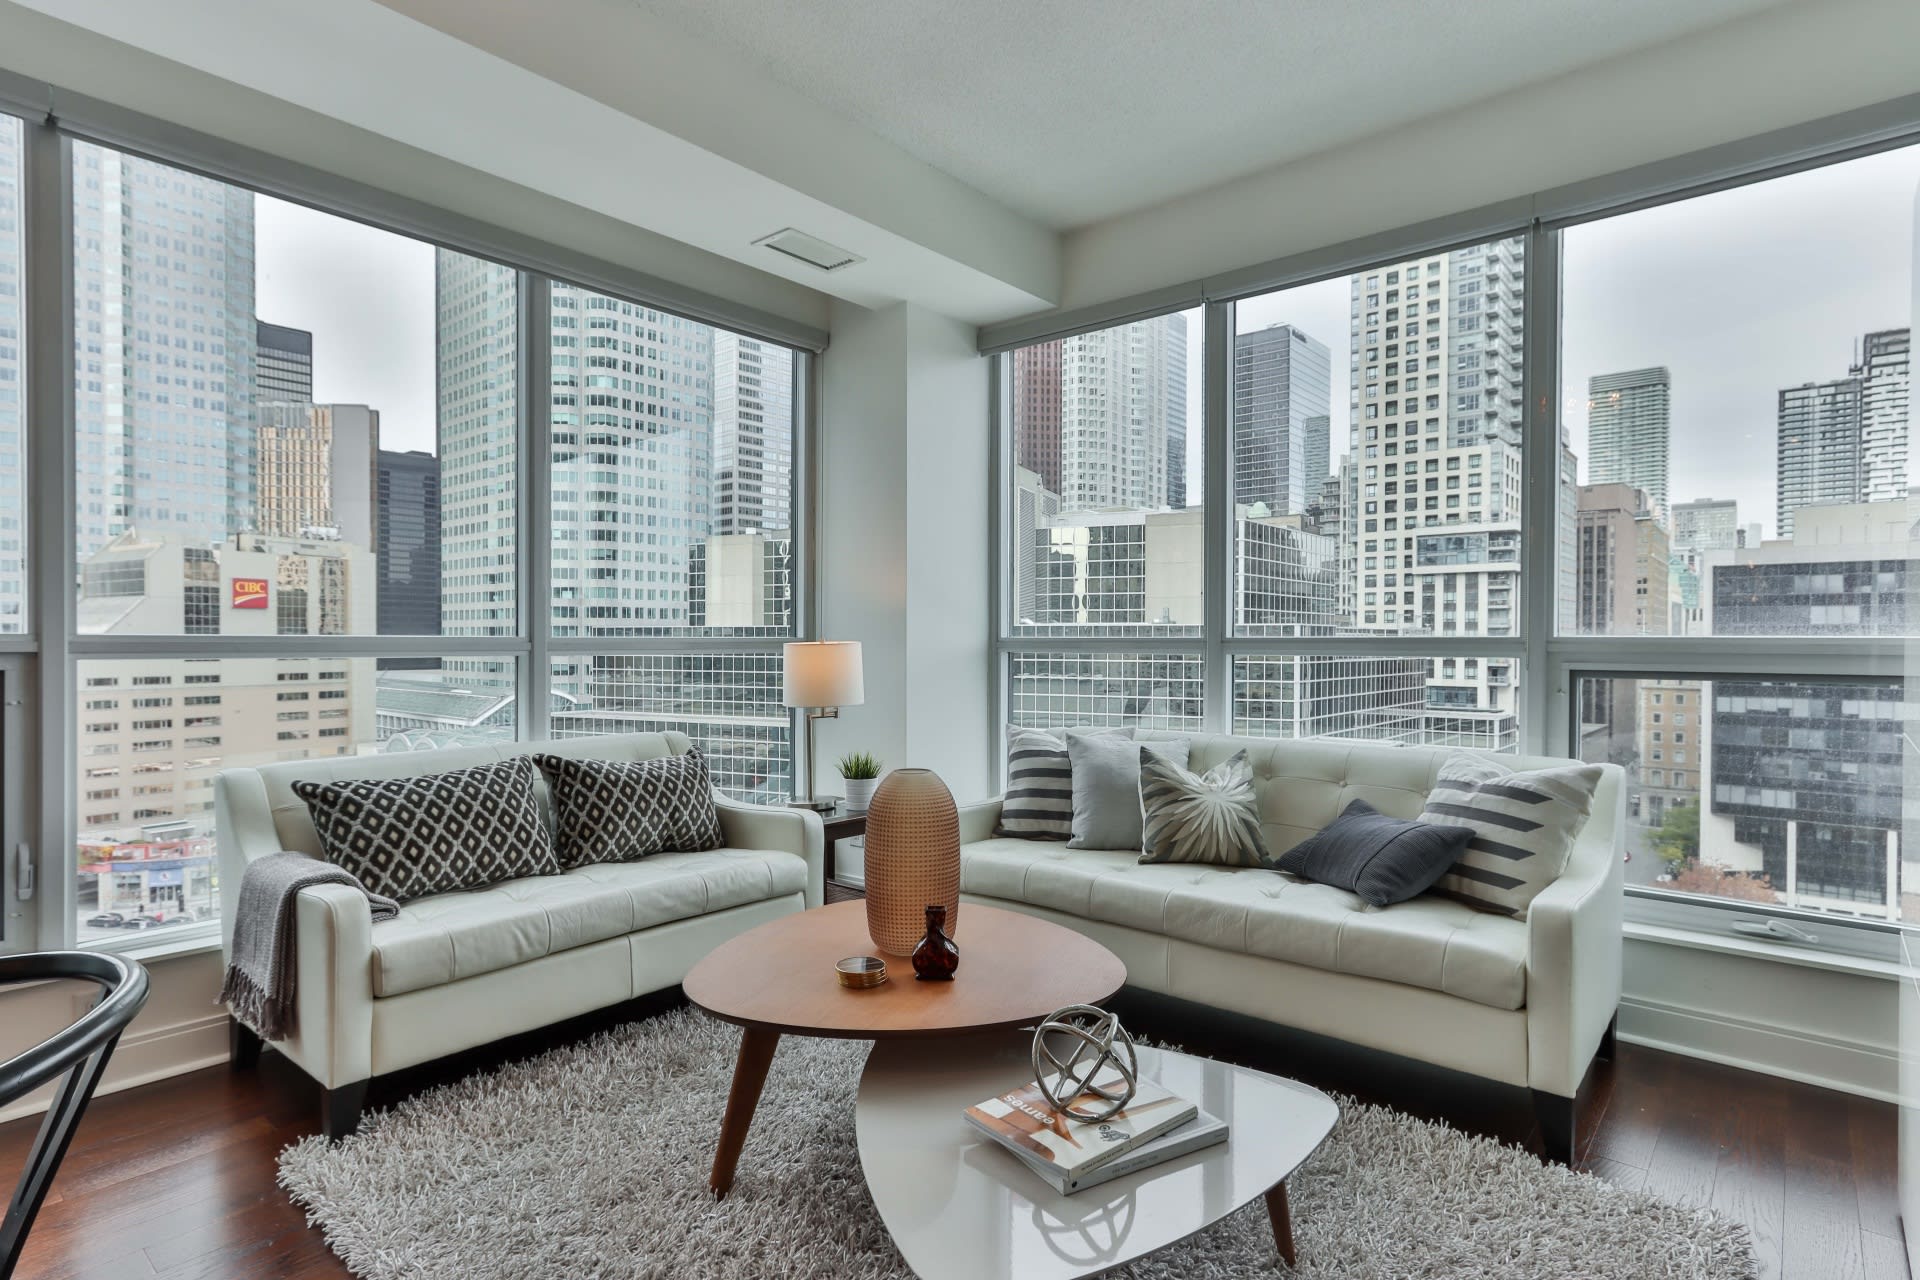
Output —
(1072, 1155)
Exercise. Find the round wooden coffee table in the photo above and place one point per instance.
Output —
(778, 979)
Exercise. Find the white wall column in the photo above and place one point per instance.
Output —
(902, 521)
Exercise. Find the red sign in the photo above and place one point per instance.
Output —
(249, 593)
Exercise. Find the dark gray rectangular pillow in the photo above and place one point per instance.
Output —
(620, 810)
(1383, 860)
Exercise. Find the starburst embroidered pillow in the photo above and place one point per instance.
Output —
(1209, 817)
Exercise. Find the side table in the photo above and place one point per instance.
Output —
(842, 824)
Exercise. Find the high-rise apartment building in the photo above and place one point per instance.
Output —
(1281, 384)
(1845, 440)
(1818, 459)
(407, 543)
(178, 366)
(1628, 432)
(476, 305)
(283, 363)
(752, 436)
(1036, 411)
(1434, 491)
(315, 470)
(1884, 371)
(1122, 407)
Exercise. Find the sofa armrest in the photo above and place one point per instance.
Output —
(795, 831)
(332, 1040)
(1574, 946)
(977, 821)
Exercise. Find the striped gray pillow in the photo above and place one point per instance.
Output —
(1523, 824)
(1038, 804)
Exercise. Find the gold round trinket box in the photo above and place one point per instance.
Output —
(862, 971)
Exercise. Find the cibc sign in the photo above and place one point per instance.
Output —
(249, 593)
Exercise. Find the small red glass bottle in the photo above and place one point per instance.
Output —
(936, 958)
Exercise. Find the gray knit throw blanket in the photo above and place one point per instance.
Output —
(259, 986)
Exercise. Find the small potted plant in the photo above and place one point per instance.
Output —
(861, 772)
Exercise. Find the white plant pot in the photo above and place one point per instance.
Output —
(860, 792)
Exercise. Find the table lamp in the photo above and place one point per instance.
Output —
(822, 676)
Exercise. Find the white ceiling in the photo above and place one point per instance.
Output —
(1074, 111)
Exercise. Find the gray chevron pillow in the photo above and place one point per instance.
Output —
(619, 810)
(1523, 824)
(1210, 817)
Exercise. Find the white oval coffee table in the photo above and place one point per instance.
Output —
(960, 1208)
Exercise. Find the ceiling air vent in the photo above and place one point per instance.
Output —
(809, 249)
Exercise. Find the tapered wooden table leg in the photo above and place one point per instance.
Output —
(1282, 1219)
(749, 1076)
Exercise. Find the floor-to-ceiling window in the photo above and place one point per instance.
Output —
(326, 489)
(1635, 486)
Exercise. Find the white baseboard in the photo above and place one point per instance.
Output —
(1771, 1048)
(144, 1058)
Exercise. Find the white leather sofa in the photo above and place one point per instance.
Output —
(457, 970)
(1526, 1002)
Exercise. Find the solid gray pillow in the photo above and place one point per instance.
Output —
(1383, 860)
(1106, 787)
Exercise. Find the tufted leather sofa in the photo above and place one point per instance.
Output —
(461, 969)
(1526, 1002)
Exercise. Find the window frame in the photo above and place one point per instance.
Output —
(44, 659)
(1551, 663)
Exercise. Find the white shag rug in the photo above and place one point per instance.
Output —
(590, 1162)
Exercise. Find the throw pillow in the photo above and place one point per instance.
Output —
(1106, 787)
(1382, 859)
(619, 810)
(1039, 800)
(1210, 817)
(1523, 825)
(409, 837)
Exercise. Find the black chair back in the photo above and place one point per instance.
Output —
(80, 1053)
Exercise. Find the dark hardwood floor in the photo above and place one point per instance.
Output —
(176, 1179)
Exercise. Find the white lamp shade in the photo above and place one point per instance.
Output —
(824, 673)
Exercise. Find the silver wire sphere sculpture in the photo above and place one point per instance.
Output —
(1095, 1048)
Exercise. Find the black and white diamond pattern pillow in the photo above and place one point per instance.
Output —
(409, 837)
(619, 810)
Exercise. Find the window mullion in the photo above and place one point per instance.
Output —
(536, 506)
(49, 316)
(1540, 508)
(1217, 463)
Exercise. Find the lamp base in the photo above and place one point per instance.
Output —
(818, 806)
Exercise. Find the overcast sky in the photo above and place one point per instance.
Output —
(1738, 294)
(367, 298)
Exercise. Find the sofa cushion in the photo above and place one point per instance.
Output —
(1038, 804)
(451, 936)
(1382, 859)
(618, 810)
(1523, 827)
(1106, 788)
(1209, 817)
(1431, 942)
(426, 833)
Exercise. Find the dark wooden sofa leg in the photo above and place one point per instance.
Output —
(243, 1046)
(1557, 1116)
(340, 1110)
(1607, 1041)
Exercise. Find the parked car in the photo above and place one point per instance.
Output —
(143, 922)
(106, 920)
